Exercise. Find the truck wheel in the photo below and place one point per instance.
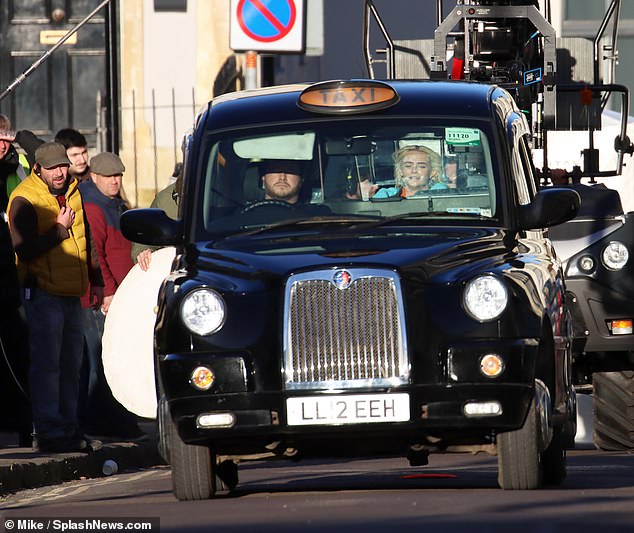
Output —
(519, 465)
(192, 468)
(613, 394)
(554, 460)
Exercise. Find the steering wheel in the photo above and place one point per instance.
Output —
(267, 203)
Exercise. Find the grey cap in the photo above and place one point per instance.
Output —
(49, 155)
(107, 164)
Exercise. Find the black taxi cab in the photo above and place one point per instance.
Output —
(363, 267)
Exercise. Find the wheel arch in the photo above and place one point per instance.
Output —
(545, 364)
(553, 367)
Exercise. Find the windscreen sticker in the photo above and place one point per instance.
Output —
(470, 210)
(463, 136)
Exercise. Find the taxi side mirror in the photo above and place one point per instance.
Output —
(549, 208)
(151, 226)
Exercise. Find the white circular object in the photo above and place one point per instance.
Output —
(485, 297)
(128, 338)
(203, 311)
(615, 255)
(109, 467)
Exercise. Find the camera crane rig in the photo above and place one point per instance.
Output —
(558, 82)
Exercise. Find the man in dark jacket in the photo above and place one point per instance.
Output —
(167, 200)
(14, 347)
(14, 166)
(104, 416)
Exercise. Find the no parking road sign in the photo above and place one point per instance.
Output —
(267, 25)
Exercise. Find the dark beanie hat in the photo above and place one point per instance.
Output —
(286, 166)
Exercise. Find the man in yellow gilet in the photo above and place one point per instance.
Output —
(49, 235)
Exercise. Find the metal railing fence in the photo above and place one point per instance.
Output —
(151, 140)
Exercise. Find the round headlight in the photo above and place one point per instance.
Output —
(615, 255)
(203, 311)
(485, 297)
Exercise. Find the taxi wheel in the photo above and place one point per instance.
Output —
(519, 464)
(554, 460)
(613, 394)
(192, 468)
(163, 433)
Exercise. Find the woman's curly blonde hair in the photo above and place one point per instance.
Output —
(434, 160)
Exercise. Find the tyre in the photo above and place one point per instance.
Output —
(162, 415)
(613, 394)
(554, 460)
(192, 468)
(519, 460)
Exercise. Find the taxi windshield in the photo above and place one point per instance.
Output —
(356, 170)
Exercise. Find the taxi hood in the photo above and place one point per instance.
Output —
(447, 251)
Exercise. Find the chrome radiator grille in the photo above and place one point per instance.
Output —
(343, 329)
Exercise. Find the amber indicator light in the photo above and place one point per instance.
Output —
(621, 327)
(202, 378)
(333, 97)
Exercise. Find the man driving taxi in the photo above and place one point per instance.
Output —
(281, 179)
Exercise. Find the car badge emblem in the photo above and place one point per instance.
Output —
(342, 279)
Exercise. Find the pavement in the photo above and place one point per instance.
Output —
(24, 468)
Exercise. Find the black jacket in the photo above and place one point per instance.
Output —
(9, 288)
(8, 166)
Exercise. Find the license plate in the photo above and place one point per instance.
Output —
(356, 409)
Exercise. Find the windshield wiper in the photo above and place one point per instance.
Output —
(294, 223)
(420, 215)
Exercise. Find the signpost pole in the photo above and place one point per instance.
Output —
(251, 70)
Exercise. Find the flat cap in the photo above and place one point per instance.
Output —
(107, 164)
(49, 155)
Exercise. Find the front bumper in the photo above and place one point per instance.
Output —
(439, 387)
(592, 307)
(436, 415)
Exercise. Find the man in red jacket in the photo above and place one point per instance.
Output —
(104, 206)
(104, 416)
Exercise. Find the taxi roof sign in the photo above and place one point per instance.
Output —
(347, 97)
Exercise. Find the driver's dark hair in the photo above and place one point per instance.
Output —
(289, 166)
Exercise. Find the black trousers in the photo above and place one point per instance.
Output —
(15, 414)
